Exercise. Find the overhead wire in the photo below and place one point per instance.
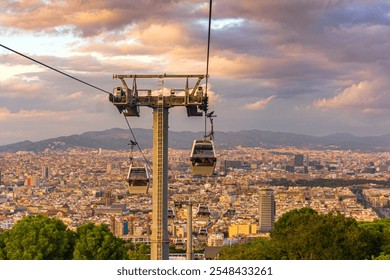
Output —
(83, 82)
(54, 69)
(207, 64)
(136, 143)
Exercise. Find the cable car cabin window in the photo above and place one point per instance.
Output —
(203, 161)
(138, 173)
(137, 182)
(137, 176)
(203, 155)
(203, 150)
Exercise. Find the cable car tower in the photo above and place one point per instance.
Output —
(128, 101)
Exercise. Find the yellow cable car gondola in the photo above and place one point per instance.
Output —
(138, 176)
(203, 158)
(138, 179)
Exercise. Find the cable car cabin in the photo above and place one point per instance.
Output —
(203, 159)
(138, 179)
(203, 211)
(171, 213)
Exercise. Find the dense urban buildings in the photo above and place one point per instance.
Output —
(236, 204)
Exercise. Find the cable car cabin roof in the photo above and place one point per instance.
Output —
(203, 148)
(138, 172)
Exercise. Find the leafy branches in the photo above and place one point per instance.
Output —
(42, 238)
(306, 235)
(38, 238)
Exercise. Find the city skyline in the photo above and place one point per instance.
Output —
(85, 185)
(324, 65)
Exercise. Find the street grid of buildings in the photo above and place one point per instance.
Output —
(82, 185)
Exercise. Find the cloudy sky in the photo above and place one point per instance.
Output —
(306, 66)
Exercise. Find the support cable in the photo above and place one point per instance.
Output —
(136, 143)
(207, 64)
(83, 82)
(54, 69)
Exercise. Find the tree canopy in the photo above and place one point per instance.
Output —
(297, 235)
(139, 251)
(258, 249)
(381, 229)
(306, 235)
(42, 238)
(96, 242)
(37, 238)
(3, 236)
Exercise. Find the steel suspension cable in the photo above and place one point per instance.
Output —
(81, 81)
(136, 142)
(54, 69)
(207, 64)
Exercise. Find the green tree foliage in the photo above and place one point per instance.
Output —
(382, 257)
(257, 249)
(381, 229)
(306, 235)
(298, 234)
(96, 242)
(294, 218)
(38, 238)
(139, 251)
(3, 236)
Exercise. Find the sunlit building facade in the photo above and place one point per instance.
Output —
(267, 210)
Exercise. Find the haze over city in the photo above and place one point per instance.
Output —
(324, 64)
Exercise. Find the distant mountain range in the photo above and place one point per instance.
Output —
(118, 139)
